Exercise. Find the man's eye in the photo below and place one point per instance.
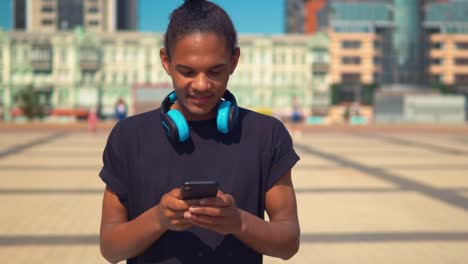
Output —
(187, 73)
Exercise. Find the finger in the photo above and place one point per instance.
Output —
(172, 214)
(209, 210)
(203, 219)
(216, 201)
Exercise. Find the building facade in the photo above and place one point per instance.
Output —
(305, 16)
(62, 15)
(446, 31)
(361, 43)
(81, 70)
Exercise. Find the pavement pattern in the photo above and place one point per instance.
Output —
(364, 196)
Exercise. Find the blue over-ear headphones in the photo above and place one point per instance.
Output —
(177, 129)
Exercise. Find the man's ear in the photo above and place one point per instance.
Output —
(235, 59)
(165, 60)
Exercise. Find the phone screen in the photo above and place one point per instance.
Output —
(199, 189)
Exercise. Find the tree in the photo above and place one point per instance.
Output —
(29, 103)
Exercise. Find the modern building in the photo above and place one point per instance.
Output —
(83, 69)
(305, 16)
(446, 32)
(59, 15)
(361, 43)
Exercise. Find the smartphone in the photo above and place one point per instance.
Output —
(199, 189)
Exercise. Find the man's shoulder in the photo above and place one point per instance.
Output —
(143, 121)
(250, 117)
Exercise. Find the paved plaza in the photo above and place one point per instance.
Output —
(364, 196)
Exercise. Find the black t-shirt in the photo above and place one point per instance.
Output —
(141, 165)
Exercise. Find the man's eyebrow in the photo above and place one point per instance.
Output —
(185, 67)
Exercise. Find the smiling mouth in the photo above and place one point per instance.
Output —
(202, 100)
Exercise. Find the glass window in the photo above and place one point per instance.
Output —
(93, 9)
(462, 45)
(436, 61)
(461, 61)
(47, 22)
(351, 44)
(461, 79)
(93, 22)
(351, 60)
(351, 77)
(47, 9)
(436, 45)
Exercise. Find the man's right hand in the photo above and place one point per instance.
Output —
(170, 211)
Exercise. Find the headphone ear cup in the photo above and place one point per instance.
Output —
(233, 115)
(180, 124)
(222, 118)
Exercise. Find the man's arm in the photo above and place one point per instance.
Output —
(278, 238)
(122, 239)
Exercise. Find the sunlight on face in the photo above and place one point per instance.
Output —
(200, 67)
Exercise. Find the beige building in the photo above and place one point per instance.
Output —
(449, 58)
(355, 57)
(62, 15)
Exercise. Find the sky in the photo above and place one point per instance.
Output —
(249, 16)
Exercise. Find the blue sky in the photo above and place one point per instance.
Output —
(249, 16)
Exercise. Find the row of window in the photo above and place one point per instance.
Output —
(50, 9)
(356, 60)
(458, 45)
(458, 61)
(356, 44)
(50, 22)
(459, 78)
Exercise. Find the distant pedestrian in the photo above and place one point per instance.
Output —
(120, 109)
(296, 118)
(92, 120)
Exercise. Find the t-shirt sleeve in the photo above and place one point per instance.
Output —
(283, 155)
(114, 172)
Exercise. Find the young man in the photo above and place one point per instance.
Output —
(199, 134)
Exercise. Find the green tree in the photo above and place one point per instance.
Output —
(29, 103)
(367, 93)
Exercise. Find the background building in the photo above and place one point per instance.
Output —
(78, 70)
(446, 33)
(305, 16)
(56, 15)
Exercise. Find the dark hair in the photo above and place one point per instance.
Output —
(199, 16)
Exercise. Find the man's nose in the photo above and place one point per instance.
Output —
(200, 82)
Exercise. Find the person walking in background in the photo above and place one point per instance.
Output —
(120, 109)
(297, 118)
(92, 120)
(199, 134)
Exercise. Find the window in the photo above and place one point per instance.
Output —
(351, 44)
(377, 44)
(93, 9)
(93, 23)
(377, 60)
(47, 9)
(461, 79)
(351, 60)
(462, 45)
(436, 61)
(47, 22)
(461, 61)
(351, 77)
(436, 45)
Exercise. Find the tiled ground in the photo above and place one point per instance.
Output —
(363, 197)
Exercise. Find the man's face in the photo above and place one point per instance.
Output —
(200, 66)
